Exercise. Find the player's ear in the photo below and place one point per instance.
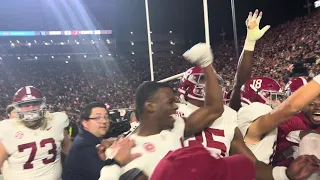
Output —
(149, 106)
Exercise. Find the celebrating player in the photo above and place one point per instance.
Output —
(160, 130)
(32, 143)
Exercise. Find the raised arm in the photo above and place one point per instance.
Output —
(201, 55)
(244, 68)
(291, 106)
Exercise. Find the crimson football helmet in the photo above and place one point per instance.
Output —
(29, 103)
(263, 90)
(192, 83)
(294, 84)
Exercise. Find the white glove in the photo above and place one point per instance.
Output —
(200, 54)
(253, 31)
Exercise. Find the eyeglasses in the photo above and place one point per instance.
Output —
(100, 118)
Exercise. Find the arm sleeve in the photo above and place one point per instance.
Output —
(294, 136)
(110, 173)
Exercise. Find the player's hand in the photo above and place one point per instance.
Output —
(254, 32)
(101, 148)
(302, 167)
(121, 151)
(200, 54)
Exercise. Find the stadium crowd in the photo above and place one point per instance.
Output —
(67, 86)
(71, 85)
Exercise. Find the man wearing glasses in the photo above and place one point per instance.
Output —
(83, 161)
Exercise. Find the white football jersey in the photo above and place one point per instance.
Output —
(265, 149)
(34, 154)
(218, 137)
(4, 169)
(153, 148)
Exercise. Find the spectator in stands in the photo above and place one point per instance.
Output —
(11, 112)
(83, 161)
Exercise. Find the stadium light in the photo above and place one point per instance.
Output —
(46, 44)
(78, 43)
(85, 56)
(18, 57)
(68, 41)
(10, 41)
(12, 45)
(132, 43)
(35, 41)
(29, 44)
(18, 41)
(172, 43)
(99, 39)
(170, 32)
(171, 52)
(109, 54)
(52, 57)
(68, 57)
(62, 43)
(100, 55)
(51, 41)
(92, 42)
(131, 32)
(132, 52)
(66, 62)
(35, 57)
(151, 43)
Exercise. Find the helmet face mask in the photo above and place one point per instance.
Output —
(276, 98)
(31, 110)
(199, 85)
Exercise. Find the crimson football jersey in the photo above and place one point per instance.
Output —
(286, 148)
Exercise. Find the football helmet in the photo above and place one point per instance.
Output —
(262, 89)
(30, 103)
(294, 84)
(192, 84)
(227, 96)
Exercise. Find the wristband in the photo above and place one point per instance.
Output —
(279, 173)
(249, 45)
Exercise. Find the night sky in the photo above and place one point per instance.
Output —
(186, 16)
(179, 16)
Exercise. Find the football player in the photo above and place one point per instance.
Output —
(260, 140)
(33, 142)
(294, 129)
(222, 137)
(259, 95)
(160, 129)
